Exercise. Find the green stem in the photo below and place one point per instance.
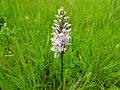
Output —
(62, 53)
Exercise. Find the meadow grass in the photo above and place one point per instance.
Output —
(92, 61)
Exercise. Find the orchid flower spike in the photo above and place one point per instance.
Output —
(61, 33)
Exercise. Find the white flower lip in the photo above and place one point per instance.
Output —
(61, 33)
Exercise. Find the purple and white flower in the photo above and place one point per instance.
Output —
(61, 33)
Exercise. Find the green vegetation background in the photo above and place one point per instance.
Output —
(92, 62)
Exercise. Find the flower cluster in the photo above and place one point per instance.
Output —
(61, 33)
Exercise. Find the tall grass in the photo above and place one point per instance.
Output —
(92, 62)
